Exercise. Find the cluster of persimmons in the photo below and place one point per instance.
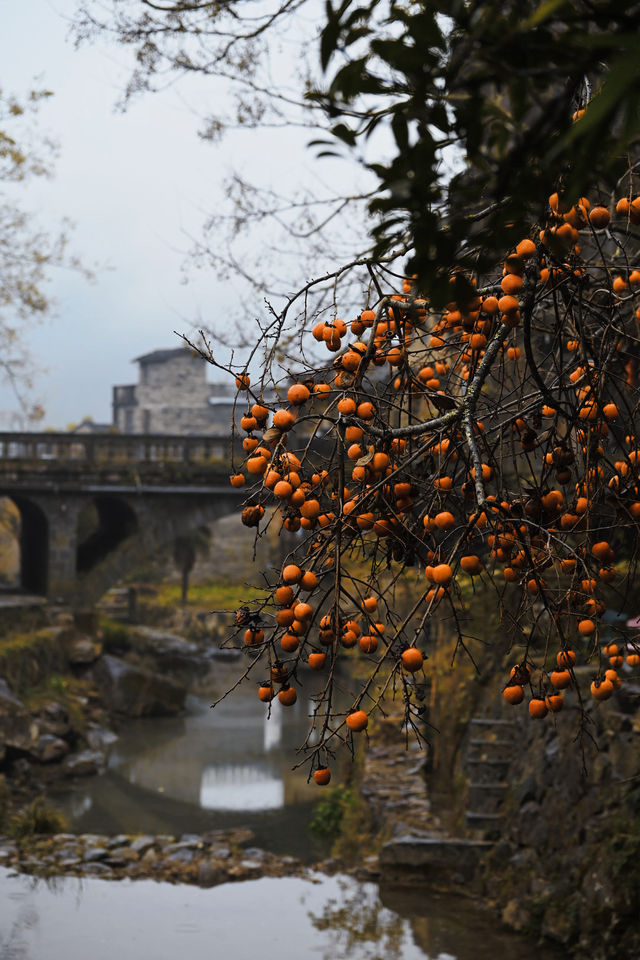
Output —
(490, 445)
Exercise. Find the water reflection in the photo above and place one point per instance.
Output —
(210, 769)
(356, 922)
(331, 918)
(240, 788)
(272, 727)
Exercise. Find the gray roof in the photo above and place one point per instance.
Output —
(88, 426)
(159, 356)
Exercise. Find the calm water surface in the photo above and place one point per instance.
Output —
(288, 919)
(210, 769)
(213, 769)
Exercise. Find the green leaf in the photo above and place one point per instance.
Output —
(344, 133)
(544, 12)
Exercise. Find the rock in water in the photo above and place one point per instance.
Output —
(136, 692)
(84, 764)
(17, 729)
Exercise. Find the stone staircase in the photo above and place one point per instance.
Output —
(487, 761)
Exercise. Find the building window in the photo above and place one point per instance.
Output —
(146, 421)
(128, 421)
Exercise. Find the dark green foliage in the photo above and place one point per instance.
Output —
(329, 814)
(500, 90)
(115, 637)
(185, 550)
(37, 818)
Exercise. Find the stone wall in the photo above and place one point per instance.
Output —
(566, 861)
(172, 396)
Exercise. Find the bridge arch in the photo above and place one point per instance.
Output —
(103, 523)
(33, 542)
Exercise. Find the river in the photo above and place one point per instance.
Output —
(328, 918)
(211, 770)
(207, 770)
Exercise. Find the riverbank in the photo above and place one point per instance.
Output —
(214, 858)
(559, 863)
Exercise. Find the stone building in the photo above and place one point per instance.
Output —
(172, 396)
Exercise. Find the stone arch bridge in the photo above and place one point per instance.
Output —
(94, 507)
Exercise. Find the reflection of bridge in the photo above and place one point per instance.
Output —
(93, 506)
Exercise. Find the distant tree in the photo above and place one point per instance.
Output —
(249, 53)
(186, 549)
(27, 253)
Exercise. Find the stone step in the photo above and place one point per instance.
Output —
(488, 741)
(490, 786)
(488, 823)
(484, 749)
(437, 856)
(473, 761)
(491, 722)
(486, 798)
(482, 771)
(488, 771)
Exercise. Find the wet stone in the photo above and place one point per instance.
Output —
(84, 764)
(50, 748)
(96, 870)
(120, 840)
(98, 738)
(210, 872)
(141, 844)
(66, 852)
(183, 845)
(180, 856)
(222, 853)
(253, 853)
(123, 857)
(93, 854)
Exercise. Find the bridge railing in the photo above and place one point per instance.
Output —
(113, 448)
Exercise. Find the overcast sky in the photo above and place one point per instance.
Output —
(137, 186)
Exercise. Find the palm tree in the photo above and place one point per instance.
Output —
(185, 550)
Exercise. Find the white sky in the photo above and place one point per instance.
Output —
(137, 186)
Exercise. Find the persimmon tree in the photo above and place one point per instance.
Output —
(491, 445)
(477, 420)
(470, 417)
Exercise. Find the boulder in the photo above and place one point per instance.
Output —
(172, 653)
(136, 692)
(100, 738)
(84, 764)
(17, 728)
(83, 650)
(53, 719)
(142, 844)
(50, 748)
(436, 856)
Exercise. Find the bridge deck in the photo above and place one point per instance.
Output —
(95, 463)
